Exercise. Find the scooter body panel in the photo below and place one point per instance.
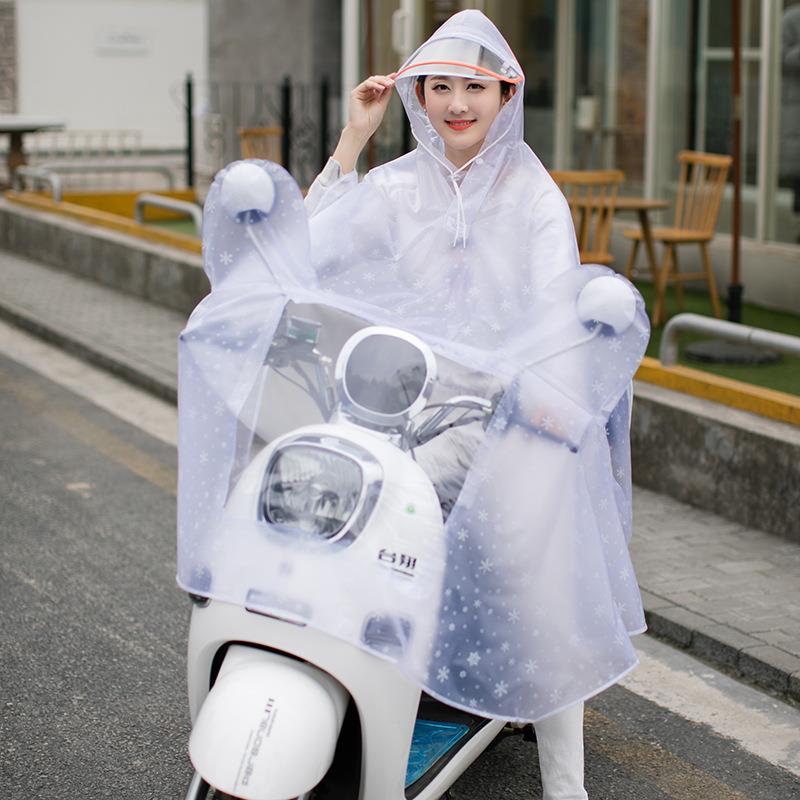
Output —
(386, 701)
(252, 738)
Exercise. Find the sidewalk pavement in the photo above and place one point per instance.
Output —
(727, 593)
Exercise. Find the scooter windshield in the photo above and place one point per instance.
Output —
(436, 504)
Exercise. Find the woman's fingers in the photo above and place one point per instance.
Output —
(368, 103)
(375, 83)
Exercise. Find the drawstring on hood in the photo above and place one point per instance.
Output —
(461, 219)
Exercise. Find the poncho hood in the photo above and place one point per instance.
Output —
(507, 129)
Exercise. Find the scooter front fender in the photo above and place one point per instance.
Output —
(269, 726)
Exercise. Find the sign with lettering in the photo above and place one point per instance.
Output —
(122, 41)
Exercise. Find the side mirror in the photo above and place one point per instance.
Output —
(607, 300)
(248, 193)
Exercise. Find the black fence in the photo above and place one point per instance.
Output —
(308, 116)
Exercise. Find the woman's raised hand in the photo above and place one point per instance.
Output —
(368, 103)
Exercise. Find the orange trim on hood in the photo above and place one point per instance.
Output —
(461, 64)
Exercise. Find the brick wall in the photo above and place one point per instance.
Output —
(632, 88)
(8, 58)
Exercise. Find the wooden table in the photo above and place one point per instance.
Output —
(16, 126)
(643, 206)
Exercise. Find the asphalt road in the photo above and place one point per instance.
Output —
(92, 640)
(93, 632)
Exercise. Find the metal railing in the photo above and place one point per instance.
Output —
(170, 204)
(37, 175)
(81, 167)
(722, 329)
(50, 173)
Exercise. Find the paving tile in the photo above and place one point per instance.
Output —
(781, 640)
(653, 602)
(756, 626)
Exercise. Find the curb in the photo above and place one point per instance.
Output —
(742, 654)
(90, 351)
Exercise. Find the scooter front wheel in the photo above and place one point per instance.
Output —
(198, 788)
(217, 795)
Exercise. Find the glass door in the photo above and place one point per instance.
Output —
(784, 224)
(714, 111)
(530, 28)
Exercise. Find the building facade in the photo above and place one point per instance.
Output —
(630, 83)
(103, 64)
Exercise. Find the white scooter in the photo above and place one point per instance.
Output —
(280, 709)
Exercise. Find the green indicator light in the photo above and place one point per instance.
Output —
(410, 509)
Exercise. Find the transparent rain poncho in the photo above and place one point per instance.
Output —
(489, 562)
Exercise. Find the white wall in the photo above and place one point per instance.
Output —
(111, 64)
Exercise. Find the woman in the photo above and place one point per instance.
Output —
(460, 237)
(476, 233)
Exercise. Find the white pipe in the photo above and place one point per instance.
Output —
(565, 83)
(351, 66)
(609, 141)
(722, 329)
(653, 100)
(769, 77)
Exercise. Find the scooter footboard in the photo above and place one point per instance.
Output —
(269, 726)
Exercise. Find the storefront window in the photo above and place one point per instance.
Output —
(609, 52)
(715, 95)
(787, 201)
(530, 29)
(677, 95)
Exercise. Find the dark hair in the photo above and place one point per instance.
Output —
(505, 86)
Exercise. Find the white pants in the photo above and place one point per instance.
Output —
(560, 742)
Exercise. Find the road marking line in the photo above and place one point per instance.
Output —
(762, 725)
(100, 440)
(137, 407)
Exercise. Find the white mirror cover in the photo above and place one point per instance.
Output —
(524, 600)
(608, 300)
(248, 188)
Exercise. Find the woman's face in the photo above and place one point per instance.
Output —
(461, 111)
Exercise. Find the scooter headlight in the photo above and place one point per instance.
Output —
(312, 489)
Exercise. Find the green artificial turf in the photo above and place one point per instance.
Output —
(184, 226)
(783, 376)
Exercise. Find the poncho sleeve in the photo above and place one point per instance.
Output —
(553, 248)
(328, 187)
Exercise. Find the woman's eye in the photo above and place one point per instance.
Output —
(438, 86)
(476, 86)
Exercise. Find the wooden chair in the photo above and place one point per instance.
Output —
(700, 187)
(591, 195)
(261, 143)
